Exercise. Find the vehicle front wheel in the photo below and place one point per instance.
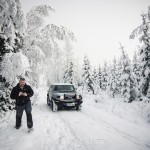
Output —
(54, 106)
(78, 108)
(48, 101)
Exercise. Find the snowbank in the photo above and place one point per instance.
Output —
(137, 111)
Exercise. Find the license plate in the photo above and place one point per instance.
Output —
(70, 104)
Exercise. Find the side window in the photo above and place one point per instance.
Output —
(55, 88)
(52, 87)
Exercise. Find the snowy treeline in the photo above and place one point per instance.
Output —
(123, 77)
(43, 53)
(12, 29)
(30, 48)
(128, 79)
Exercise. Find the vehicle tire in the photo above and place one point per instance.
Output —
(54, 106)
(78, 108)
(48, 101)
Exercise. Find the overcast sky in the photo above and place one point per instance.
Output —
(99, 25)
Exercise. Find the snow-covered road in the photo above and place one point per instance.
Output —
(88, 129)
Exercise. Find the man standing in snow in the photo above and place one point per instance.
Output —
(22, 93)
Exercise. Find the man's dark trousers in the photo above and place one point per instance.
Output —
(19, 112)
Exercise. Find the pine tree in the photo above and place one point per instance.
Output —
(113, 83)
(125, 78)
(69, 74)
(95, 78)
(119, 68)
(18, 45)
(109, 77)
(95, 73)
(87, 80)
(99, 77)
(105, 76)
(145, 59)
(12, 22)
(77, 73)
(135, 75)
(144, 56)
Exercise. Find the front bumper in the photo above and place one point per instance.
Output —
(68, 103)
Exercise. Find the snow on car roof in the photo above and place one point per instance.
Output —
(62, 84)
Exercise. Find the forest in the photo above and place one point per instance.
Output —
(43, 53)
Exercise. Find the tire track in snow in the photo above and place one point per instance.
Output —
(63, 130)
(54, 128)
(84, 129)
(111, 128)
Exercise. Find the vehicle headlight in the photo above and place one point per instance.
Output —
(77, 96)
(62, 97)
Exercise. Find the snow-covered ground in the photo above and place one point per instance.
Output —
(102, 124)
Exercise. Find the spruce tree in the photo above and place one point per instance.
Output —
(144, 56)
(135, 75)
(11, 28)
(145, 59)
(105, 76)
(69, 74)
(113, 83)
(99, 77)
(87, 80)
(125, 78)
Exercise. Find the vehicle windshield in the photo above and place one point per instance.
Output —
(64, 88)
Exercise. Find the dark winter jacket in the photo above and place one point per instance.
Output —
(21, 100)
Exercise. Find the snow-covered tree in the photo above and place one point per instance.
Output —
(57, 41)
(87, 79)
(35, 47)
(99, 77)
(105, 76)
(135, 75)
(34, 42)
(35, 19)
(12, 21)
(69, 74)
(43, 45)
(125, 78)
(113, 74)
(144, 57)
(119, 68)
(12, 29)
(68, 53)
(95, 75)
(77, 73)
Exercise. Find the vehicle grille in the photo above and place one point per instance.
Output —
(70, 96)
